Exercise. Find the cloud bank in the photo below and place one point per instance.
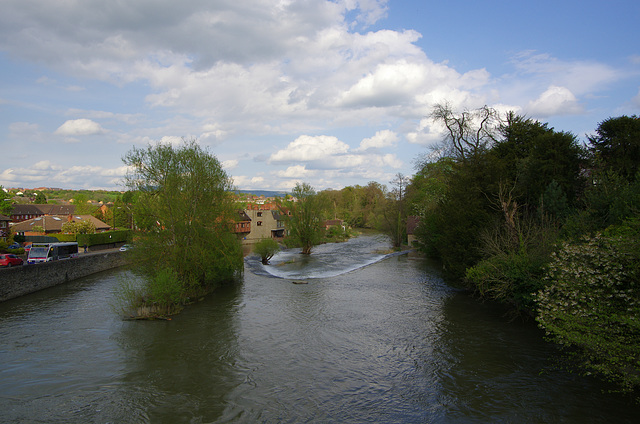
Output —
(279, 90)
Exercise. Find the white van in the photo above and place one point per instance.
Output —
(45, 252)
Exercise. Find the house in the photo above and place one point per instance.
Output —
(266, 221)
(4, 227)
(52, 224)
(23, 212)
(243, 225)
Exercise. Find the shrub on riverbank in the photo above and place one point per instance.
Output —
(592, 303)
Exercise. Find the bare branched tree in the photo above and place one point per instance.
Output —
(399, 186)
(469, 132)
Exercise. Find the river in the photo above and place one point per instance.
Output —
(366, 338)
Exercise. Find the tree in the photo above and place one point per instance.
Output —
(395, 218)
(266, 248)
(372, 201)
(83, 205)
(533, 157)
(469, 133)
(616, 145)
(305, 220)
(40, 198)
(186, 214)
(79, 227)
(6, 204)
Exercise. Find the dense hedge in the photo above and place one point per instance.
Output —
(120, 236)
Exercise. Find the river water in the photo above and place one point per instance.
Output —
(388, 342)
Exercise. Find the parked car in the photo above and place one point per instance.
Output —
(126, 247)
(9, 260)
(15, 246)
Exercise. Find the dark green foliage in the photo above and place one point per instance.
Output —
(554, 202)
(616, 146)
(109, 237)
(609, 200)
(532, 156)
(456, 222)
(516, 254)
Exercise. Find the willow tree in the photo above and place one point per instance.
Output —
(305, 223)
(185, 213)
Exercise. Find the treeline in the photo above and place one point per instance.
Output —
(371, 207)
(527, 215)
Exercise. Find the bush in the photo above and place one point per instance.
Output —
(592, 304)
(165, 289)
(515, 258)
(338, 233)
(266, 248)
(513, 278)
(120, 236)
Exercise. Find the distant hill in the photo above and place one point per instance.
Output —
(265, 193)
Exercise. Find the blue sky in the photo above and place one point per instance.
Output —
(333, 93)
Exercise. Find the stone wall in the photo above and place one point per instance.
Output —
(18, 281)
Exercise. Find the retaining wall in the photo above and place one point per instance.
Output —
(18, 281)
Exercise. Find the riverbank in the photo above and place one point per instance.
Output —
(20, 281)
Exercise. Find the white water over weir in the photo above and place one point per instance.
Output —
(326, 260)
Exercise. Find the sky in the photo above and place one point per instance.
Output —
(331, 93)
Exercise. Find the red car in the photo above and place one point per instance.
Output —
(8, 259)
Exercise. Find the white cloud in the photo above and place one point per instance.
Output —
(45, 165)
(247, 182)
(296, 171)
(212, 133)
(370, 10)
(578, 77)
(44, 173)
(392, 161)
(23, 129)
(171, 139)
(427, 132)
(384, 138)
(310, 148)
(554, 101)
(230, 164)
(79, 127)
